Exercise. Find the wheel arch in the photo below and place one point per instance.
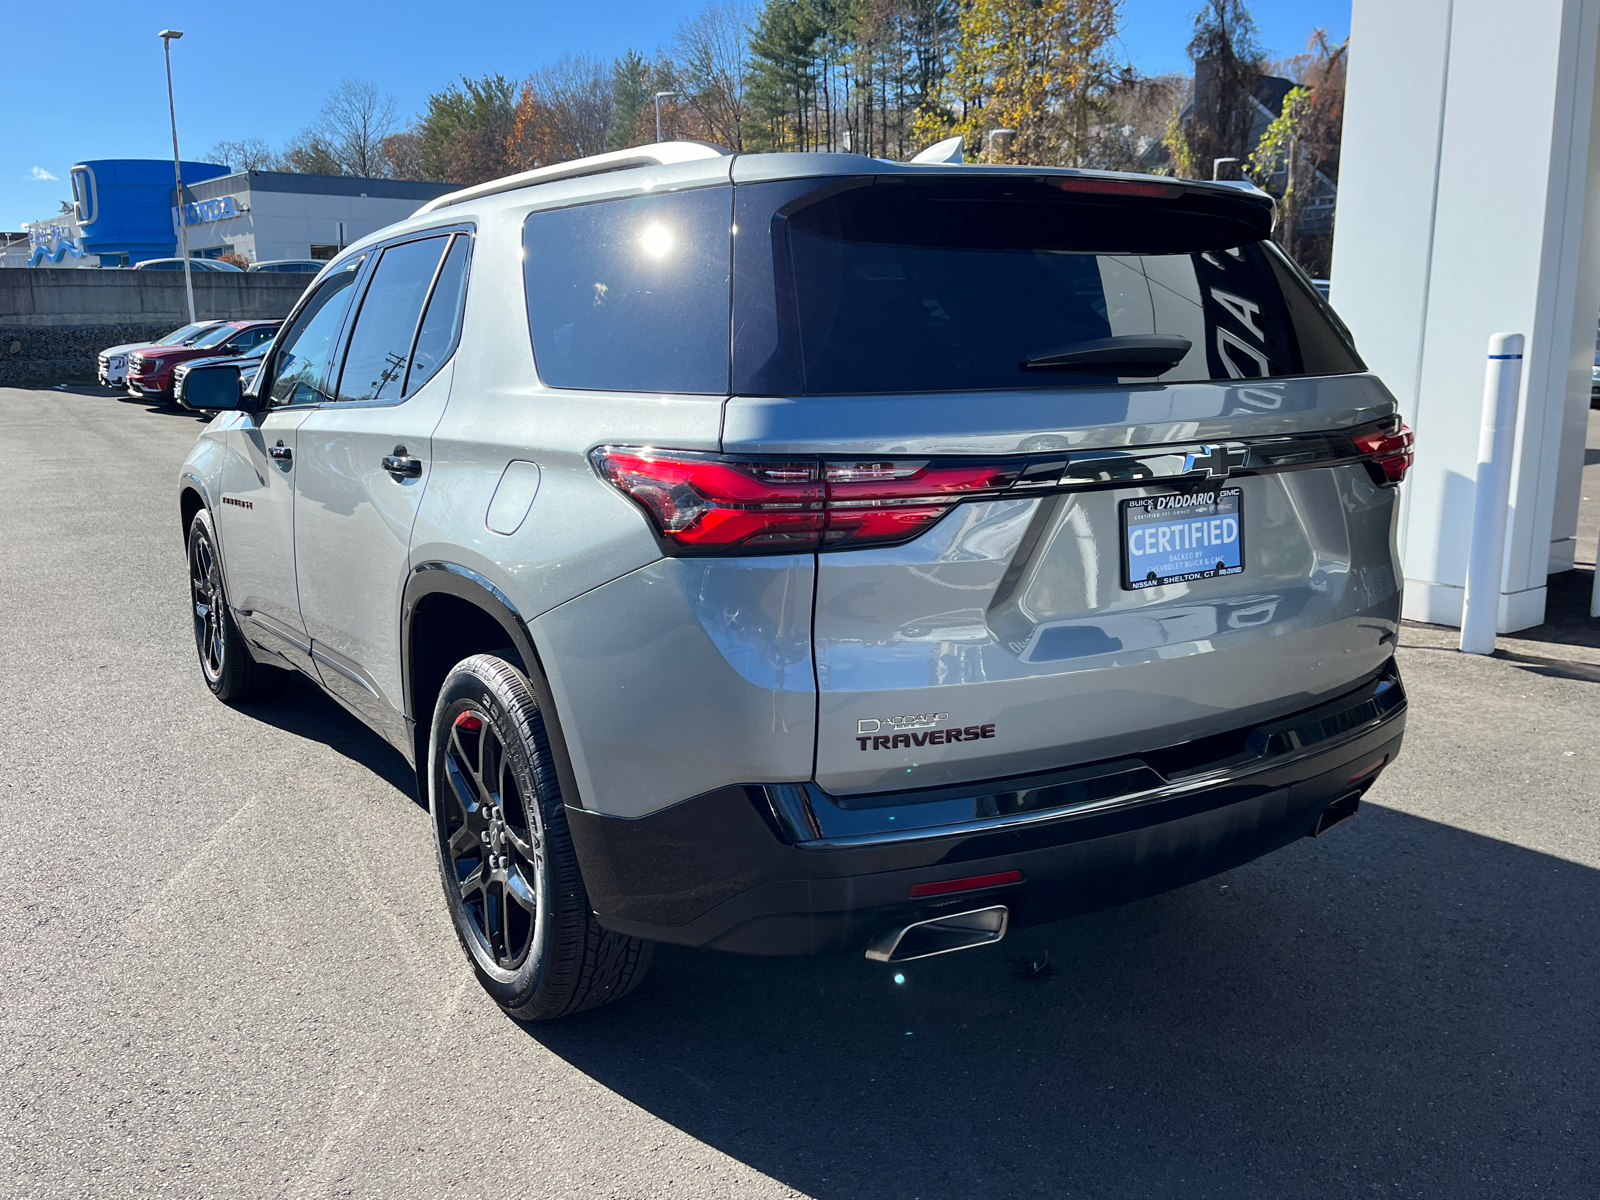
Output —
(191, 499)
(448, 613)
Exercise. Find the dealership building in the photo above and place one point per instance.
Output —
(123, 213)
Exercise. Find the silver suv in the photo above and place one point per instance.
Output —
(804, 552)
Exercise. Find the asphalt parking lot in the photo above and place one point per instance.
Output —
(228, 971)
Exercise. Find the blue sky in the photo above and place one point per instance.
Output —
(96, 88)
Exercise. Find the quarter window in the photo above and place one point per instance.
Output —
(631, 295)
(301, 363)
(380, 345)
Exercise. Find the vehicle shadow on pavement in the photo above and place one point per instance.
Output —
(1399, 1008)
(296, 705)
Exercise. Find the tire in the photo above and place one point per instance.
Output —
(225, 662)
(510, 875)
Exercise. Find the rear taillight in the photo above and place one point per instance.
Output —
(1387, 451)
(711, 503)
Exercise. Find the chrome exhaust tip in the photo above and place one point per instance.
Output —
(941, 935)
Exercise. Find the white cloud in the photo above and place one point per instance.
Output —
(41, 174)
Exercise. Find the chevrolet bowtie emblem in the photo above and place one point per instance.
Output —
(1215, 461)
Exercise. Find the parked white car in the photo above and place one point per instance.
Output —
(176, 264)
(287, 266)
(113, 371)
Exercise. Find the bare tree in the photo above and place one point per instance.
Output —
(348, 137)
(355, 121)
(247, 154)
(563, 113)
(712, 52)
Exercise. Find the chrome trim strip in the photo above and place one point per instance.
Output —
(282, 631)
(1195, 783)
(354, 675)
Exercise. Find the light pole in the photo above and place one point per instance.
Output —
(168, 36)
(658, 111)
(994, 133)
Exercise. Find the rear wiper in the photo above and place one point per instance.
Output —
(1132, 355)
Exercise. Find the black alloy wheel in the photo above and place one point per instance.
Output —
(510, 873)
(225, 662)
(496, 852)
(205, 590)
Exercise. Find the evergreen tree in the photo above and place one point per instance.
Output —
(463, 132)
(630, 96)
(783, 75)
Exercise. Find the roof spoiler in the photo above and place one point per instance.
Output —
(659, 154)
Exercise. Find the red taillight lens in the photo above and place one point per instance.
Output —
(1388, 450)
(713, 503)
(710, 502)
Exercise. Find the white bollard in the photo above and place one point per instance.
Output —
(1594, 596)
(1502, 383)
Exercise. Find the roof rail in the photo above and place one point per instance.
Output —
(659, 154)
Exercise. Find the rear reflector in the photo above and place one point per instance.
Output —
(1367, 770)
(1390, 451)
(970, 884)
(709, 503)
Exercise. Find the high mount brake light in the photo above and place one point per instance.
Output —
(1117, 187)
(715, 504)
(1389, 451)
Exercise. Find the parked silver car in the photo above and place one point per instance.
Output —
(802, 552)
(112, 367)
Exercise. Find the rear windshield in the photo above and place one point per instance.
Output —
(946, 284)
(942, 283)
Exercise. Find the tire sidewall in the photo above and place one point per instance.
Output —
(201, 527)
(508, 705)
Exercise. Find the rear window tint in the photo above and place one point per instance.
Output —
(631, 295)
(955, 285)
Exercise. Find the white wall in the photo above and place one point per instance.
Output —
(1468, 205)
(287, 224)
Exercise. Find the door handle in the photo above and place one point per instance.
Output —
(402, 464)
(281, 452)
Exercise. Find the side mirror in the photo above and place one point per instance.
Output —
(213, 388)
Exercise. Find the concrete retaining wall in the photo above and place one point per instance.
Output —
(53, 323)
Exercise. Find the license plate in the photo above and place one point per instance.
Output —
(1181, 538)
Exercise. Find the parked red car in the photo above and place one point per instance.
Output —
(150, 369)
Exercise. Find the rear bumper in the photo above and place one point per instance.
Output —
(789, 870)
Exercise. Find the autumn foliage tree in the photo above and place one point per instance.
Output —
(1038, 68)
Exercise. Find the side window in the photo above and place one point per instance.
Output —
(380, 345)
(631, 295)
(442, 322)
(301, 362)
(250, 339)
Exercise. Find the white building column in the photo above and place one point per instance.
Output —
(1469, 202)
